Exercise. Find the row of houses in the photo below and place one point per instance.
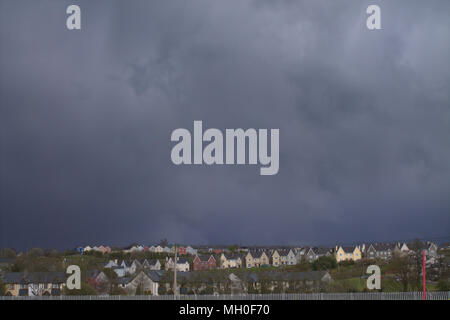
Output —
(152, 281)
(101, 249)
(279, 256)
(147, 274)
(33, 283)
(123, 268)
(239, 282)
(181, 250)
(49, 283)
(255, 258)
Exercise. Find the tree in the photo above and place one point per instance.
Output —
(8, 253)
(324, 263)
(53, 253)
(162, 289)
(35, 252)
(401, 267)
(417, 248)
(139, 290)
(2, 288)
(118, 291)
(110, 273)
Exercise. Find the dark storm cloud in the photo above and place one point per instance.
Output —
(86, 118)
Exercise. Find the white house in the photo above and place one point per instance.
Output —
(228, 261)
(154, 264)
(111, 264)
(288, 257)
(145, 281)
(299, 253)
(404, 247)
(182, 264)
(191, 251)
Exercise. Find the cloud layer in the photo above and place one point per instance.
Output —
(86, 118)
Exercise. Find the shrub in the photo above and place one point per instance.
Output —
(86, 290)
(324, 263)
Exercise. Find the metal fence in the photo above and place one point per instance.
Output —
(445, 295)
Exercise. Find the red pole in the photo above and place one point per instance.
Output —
(423, 272)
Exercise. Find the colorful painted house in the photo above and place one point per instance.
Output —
(257, 258)
(34, 283)
(204, 262)
(228, 261)
(348, 253)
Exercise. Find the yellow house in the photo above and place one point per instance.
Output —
(344, 253)
(12, 289)
(33, 283)
(228, 261)
(256, 258)
(276, 259)
(264, 259)
(249, 260)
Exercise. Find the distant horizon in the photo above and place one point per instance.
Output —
(437, 240)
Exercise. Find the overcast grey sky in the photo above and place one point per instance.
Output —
(86, 118)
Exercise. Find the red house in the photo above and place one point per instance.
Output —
(97, 279)
(181, 251)
(204, 263)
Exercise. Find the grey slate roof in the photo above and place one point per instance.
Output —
(182, 260)
(205, 258)
(123, 280)
(322, 250)
(152, 262)
(348, 249)
(156, 275)
(258, 253)
(34, 277)
(231, 256)
(383, 246)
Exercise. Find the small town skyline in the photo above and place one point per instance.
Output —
(167, 242)
(139, 269)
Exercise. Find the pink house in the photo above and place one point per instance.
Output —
(181, 251)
